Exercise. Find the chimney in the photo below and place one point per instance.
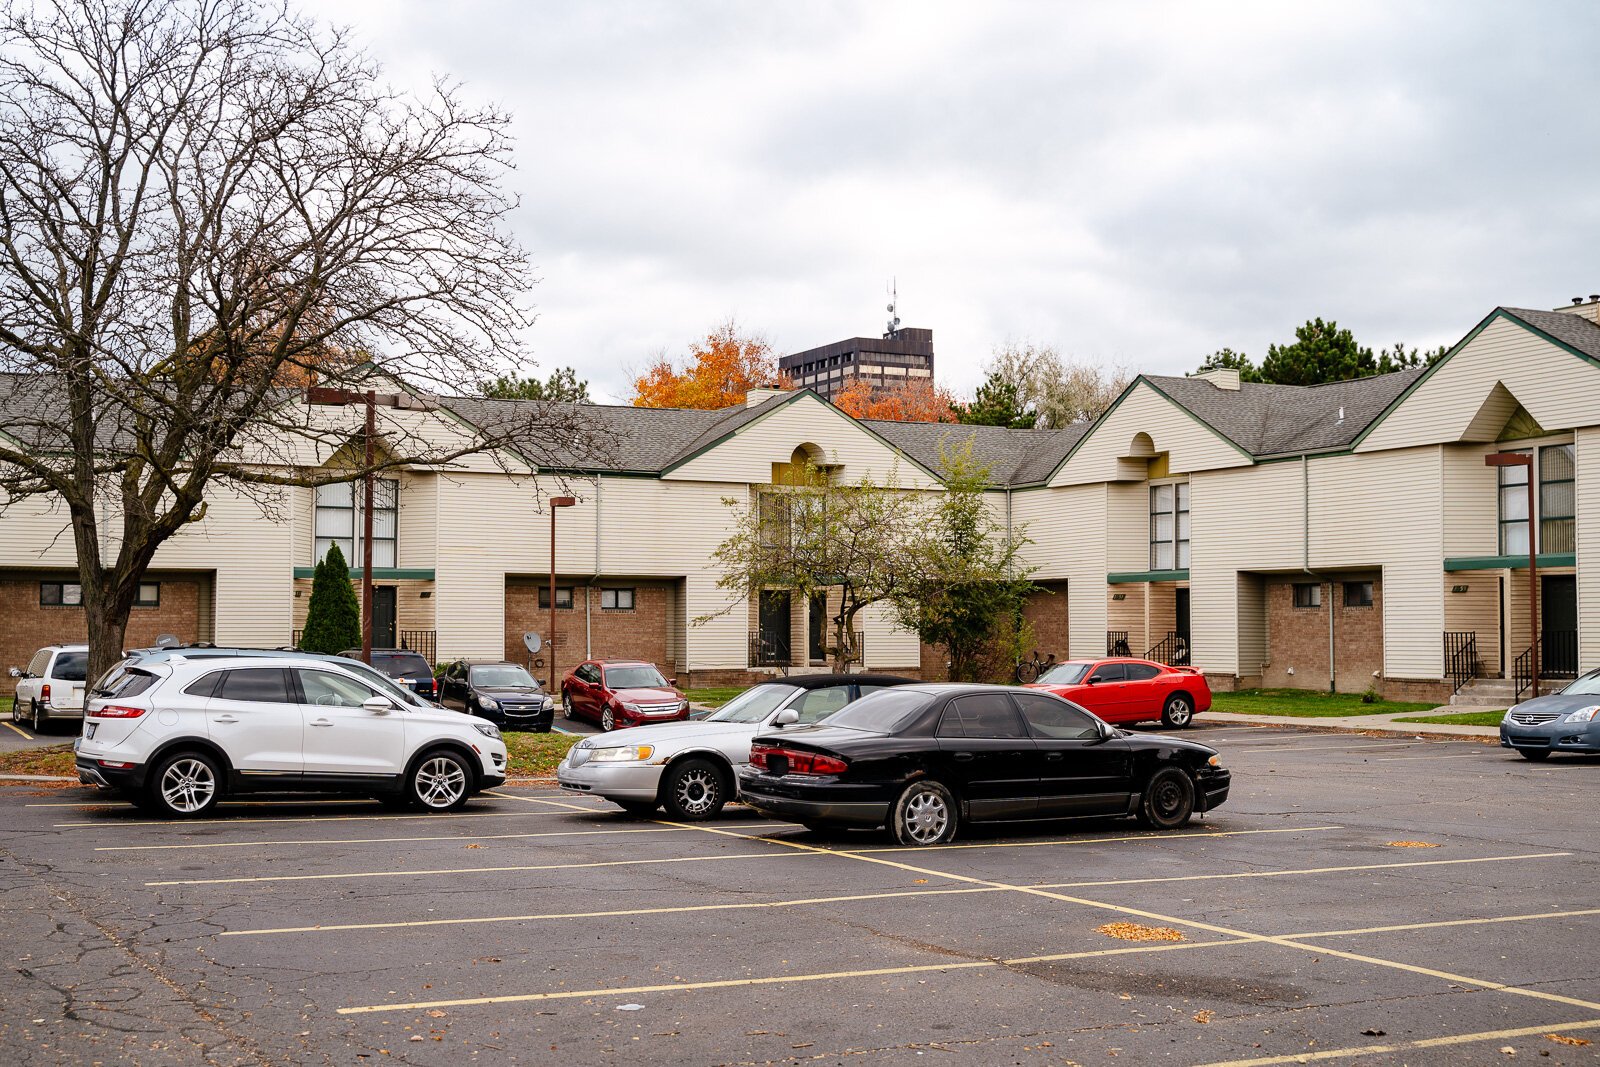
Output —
(1221, 377)
(1588, 309)
(758, 396)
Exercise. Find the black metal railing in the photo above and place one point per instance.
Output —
(769, 650)
(1460, 658)
(1557, 652)
(1173, 650)
(1117, 643)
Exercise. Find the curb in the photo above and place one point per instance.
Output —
(1310, 726)
(37, 778)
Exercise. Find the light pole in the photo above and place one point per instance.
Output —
(555, 502)
(1525, 459)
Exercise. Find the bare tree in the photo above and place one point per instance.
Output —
(205, 207)
(1062, 391)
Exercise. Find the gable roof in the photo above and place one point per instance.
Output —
(1576, 332)
(1014, 457)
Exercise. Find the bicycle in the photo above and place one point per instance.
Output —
(1028, 670)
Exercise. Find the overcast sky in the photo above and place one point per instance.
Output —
(1137, 184)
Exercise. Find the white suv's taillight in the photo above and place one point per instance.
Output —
(117, 711)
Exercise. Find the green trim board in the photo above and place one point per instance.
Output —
(1131, 577)
(1501, 563)
(381, 574)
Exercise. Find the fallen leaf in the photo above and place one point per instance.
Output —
(474, 846)
(1136, 932)
(1508, 1050)
(1203, 1017)
(436, 1014)
(920, 881)
(1412, 844)
(803, 1044)
(1562, 1039)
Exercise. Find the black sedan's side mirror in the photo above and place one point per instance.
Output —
(786, 717)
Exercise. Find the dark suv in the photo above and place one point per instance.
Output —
(406, 667)
(500, 691)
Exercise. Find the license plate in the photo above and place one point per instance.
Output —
(88, 730)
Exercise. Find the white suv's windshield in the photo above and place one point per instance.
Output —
(1588, 685)
(634, 678)
(754, 704)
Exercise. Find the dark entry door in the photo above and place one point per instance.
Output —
(1558, 631)
(773, 619)
(1180, 625)
(819, 628)
(383, 608)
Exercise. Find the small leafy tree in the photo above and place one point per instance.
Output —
(721, 369)
(967, 582)
(999, 403)
(914, 400)
(333, 618)
(562, 387)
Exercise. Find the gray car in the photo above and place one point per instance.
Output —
(1568, 721)
(691, 768)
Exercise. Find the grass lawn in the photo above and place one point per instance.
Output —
(1306, 703)
(714, 696)
(530, 756)
(1466, 718)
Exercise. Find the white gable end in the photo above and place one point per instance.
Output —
(1143, 425)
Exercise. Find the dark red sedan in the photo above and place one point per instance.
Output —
(618, 693)
(1130, 690)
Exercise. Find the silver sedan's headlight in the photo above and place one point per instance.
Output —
(1583, 714)
(488, 705)
(623, 754)
(487, 729)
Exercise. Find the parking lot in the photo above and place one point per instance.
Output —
(1371, 900)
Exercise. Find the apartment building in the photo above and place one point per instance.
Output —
(1347, 535)
(890, 360)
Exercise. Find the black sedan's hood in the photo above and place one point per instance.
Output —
(509, 690)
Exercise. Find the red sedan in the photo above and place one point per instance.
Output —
(618, 693)
(1130, 690)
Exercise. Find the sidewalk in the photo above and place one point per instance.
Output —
(1369, 724)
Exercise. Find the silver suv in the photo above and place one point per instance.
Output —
(176, 734)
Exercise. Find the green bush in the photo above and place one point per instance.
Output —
(333, 618)
(1370, 696)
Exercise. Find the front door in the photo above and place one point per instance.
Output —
(383, 615)
(342, 738)
(773, 620)
(986, 754)
(1558, 625)
(818, 629)
(1081, 772)
(254, 716)
(1180, 610)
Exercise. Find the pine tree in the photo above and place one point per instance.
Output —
(333, 618)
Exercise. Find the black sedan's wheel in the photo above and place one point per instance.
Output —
(925, 814)
(1535, 754)
(1178, 712)
(441, 781)
(695, 789)
(1168, 800)
(638, 808)
(608, 721)
(185, 785)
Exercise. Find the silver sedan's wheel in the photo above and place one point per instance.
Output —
(608, 721)
(695, 789)
(185, 785)
(441, 782)
(1178, 712)
(925, 814)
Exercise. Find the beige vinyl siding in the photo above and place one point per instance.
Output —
(1067, 528)
(888, 646)
(1471, 502)
(1127, 527)
(1129, 614)
(418, 522)
(302, 513)
(1588, 441)
(749, 454)
(1190, 444)
(1251, 627)
(1477, 610)
(1560, 390)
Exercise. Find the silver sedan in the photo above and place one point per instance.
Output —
(690, 768)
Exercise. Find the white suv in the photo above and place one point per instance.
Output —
(176, 734)
(51, 686)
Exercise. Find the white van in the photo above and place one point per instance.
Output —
(51, 687)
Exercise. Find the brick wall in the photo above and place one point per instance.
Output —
(643, 633)
(27, 626)
(1298, 638)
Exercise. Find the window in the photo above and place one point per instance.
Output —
(205, 687)
(1358, 594)
(71, 667)
(257, 685)
(820, 703)
(989, 715)
(563, 597)
(1307, 595)
(39, 664)
(331, 690)
(1169, 527)
(149, 595)
(616, 600)
(1556, 499)
(1140, 672)
(1048, 717)
(60, 595)
(1109, 672)
(338, 520)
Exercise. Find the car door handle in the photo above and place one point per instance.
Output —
(320, 722)
(1052, 756)
(964, 756)
(225, 718)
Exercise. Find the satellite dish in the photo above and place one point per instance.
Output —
(533, 641)
(167, 641)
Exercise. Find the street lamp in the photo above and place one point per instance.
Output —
(555, 502)
(1525, 459)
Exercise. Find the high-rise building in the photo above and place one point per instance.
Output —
(882, 361)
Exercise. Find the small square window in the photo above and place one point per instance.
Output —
(1358, 594)
(1307, 595)
(149, 595)
(563, 597)
(60, 595)
(616, 600)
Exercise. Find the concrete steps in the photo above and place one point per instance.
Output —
(1486, 693)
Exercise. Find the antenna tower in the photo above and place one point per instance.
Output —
(893, 330)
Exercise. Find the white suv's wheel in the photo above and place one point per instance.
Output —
(185, 785)
(441, 781)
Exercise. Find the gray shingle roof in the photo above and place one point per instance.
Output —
(641, 440)
(1575, 330)
(1015, 457)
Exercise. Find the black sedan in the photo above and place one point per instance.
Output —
(504, 693)
(922, 759)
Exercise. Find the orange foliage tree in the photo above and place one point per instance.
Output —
(914, 400)
(720, 370)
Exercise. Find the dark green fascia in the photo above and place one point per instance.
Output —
(1132, 577)
(1501, 563)
(382, 574)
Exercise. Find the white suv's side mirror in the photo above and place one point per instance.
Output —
(786, 717)
(378, 705)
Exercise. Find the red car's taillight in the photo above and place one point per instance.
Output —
(117, 711)
(795, 761)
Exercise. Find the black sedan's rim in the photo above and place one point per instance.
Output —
(926, 817)
(1168, 798)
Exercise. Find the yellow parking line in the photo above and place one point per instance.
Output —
(887, 894)
(385, 840)
(116, 802)
(1401, 1046)
(587, 810)
(1452, 922)
(480, 870)
(245, 820)
(18, 729)
(775, 979)
(1469, 755)
(1153, 836)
